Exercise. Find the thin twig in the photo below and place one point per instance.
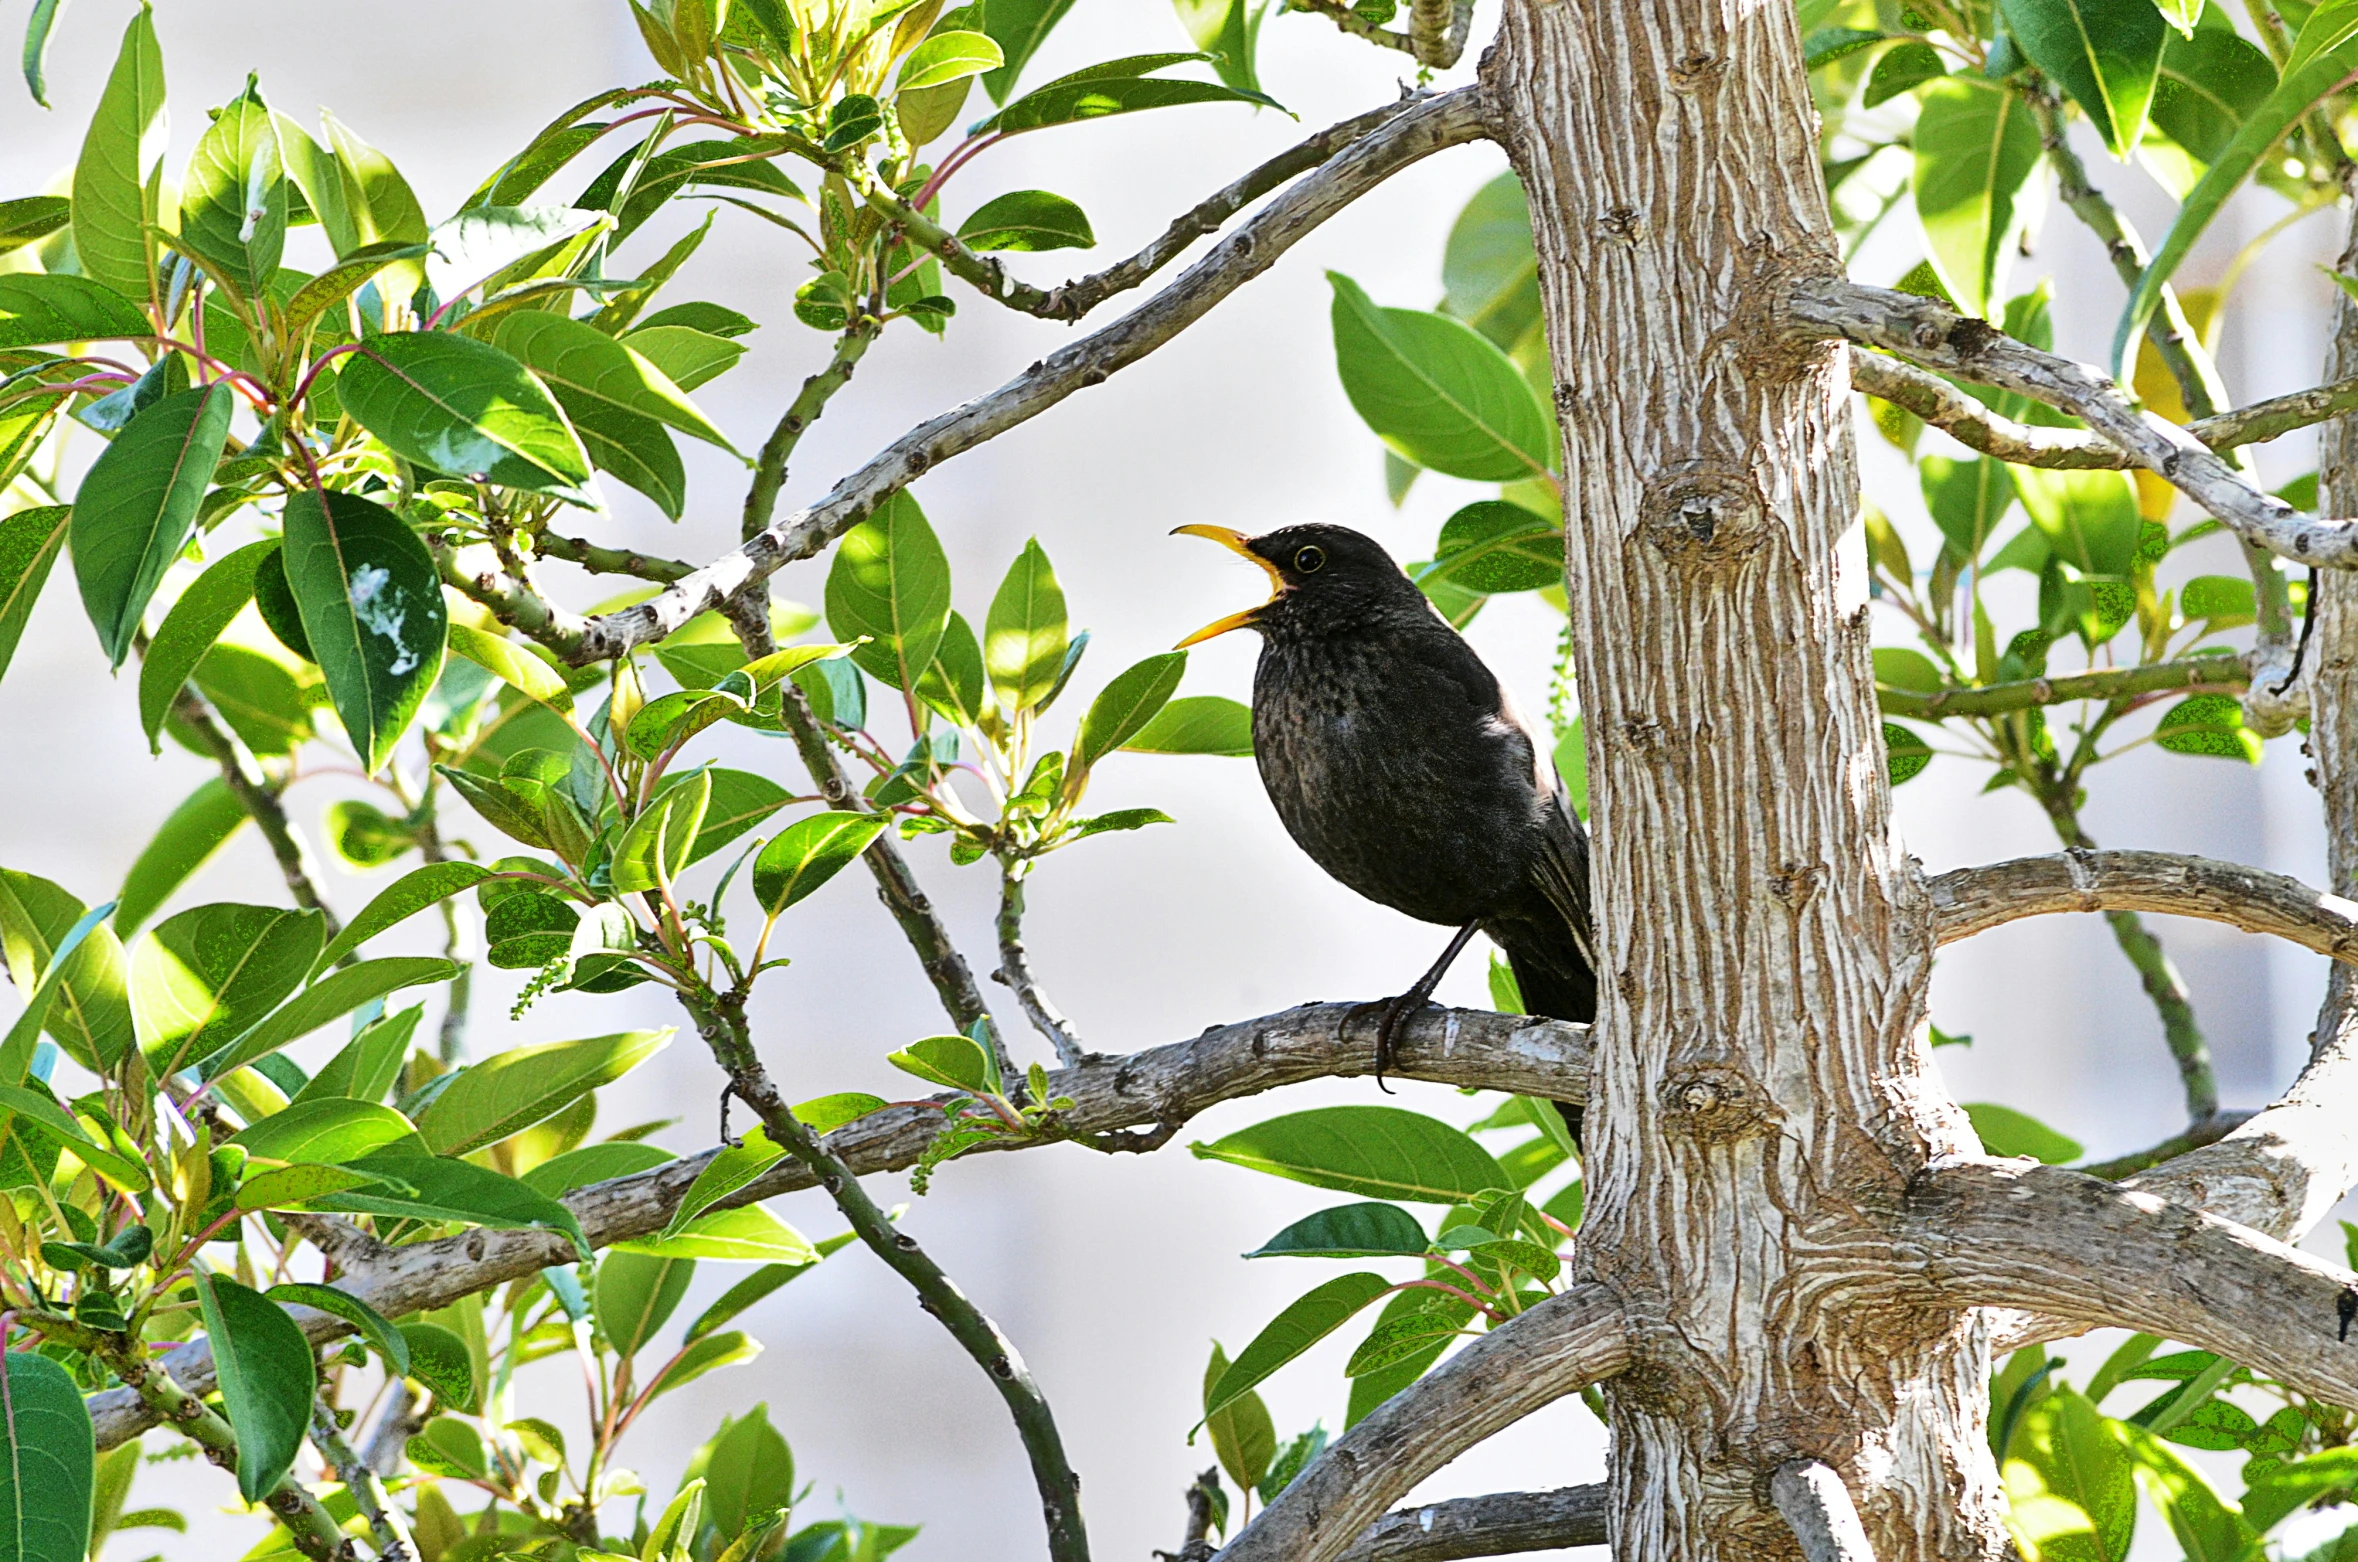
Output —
(2220, 673)
(2194, 1136)
(725, 1031)
(769, 470)
(609, 561)
(1356, 25)
(1015, 971)
(385, 1525)
(1427, 127)
(261, 802)
(1437, 29)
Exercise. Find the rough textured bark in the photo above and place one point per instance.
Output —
(1759, 1097)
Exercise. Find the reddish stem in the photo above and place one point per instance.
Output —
(322, 361)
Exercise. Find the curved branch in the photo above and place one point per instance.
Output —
(1974, 900)
(2054, 1242)
(1931, 334)
(1428, 127)
(1167, 1085)
(1817, 1508)
(1494, 1526)
(1976, 427)
(1559, 1347)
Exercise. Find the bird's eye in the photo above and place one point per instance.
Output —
(1310, 560)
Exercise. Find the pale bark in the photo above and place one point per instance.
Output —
(1497, 1525)
(1761, 1094)
(1967, 901)
(1812, 1499)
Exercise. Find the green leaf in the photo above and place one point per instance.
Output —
(295, 1187)
(824, 1114)
(2226, 601)
(2105, 53)
(404, 898)
(953, 685)
(1415, 1335)
(463, 408)
(653, 852)
(440, 1360)
(481, 242)
(205, 977)
(689, 356)
(2322, 57)
(1896, 667)
(447, 1189)
(366, 1066)
(233, 199)
(91, 1015)
(330, 998)
(2089, 519)
(746, 1292)
(748, 1473)
(1437, 391)
(1492, 546)
(2270, 1499)
(2004, 1131)
(956, 1062)
(2208, 724)
(373, 1328)
(946, 57)
(115, 188)
(1123, 709)
(1489, 272)
(2081, 1457)
(138, 504)
(1019, 27)
(808, 853)
(1025, 636)
(1976, 148)
(23, 1038)
(588, 368)
(1905, 753)
(1197, 724)
(709, 1354)
(634, 450)
(746, 1235)
(635, 1295)
(41, 1116)
(1383, 1152)
(2212, 81)
(1967, 500)
(891, 582)
(514, 665)
(1243, 1436)
(266, 1376)
(262, 702)
(184, 843)
(740, 800)
(510, 1091)
(1350, 1231)
(1903, 68)
(189, 630)
(38, 311)
(1027, 220)
(372, 609)
(1305, 1322)
(1372, 1387)
(1115, 87)
(47, 1481)
(29, 544)
(328, 1131)
(2207, 1527)
(735, 1166)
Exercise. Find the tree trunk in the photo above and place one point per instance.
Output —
(1761, 1095)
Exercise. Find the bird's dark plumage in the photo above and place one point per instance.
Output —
(1399, 763)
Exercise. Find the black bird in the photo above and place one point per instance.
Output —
(1402, 767)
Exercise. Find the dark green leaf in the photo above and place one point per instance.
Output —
(115, 189)
(138, 504)
(740, 800)
(266, 1377)
(1115, 87)
(635, 451)
(447, 1189)
(1412, 1336)
(29, 544)
(1383, 1152)
(275, 601)
(372, 609)
(1905, 753)
(1967, 500)
(1437, 391)
(1489, 272)
(586, 367)
(1197, 724)
(1303, 1324)
(2103, 52)
(1975, 148)
(654, 850)
(891, 582)
(1124, 708)
(463, 408)
(37, 310)
(635, 1295)
(1492, 546)
(365, 1068)
(233, 201)
(2210, 724)
(189, 630)
(404, 898)
(441, 1361)
(953, 685)
(1028, 220)
(1019, 27)
(47, 1480)
(330, 998)
(262, 702)
(1349, 1231)
(809, 853)
(1903, 68)
(31, 219)
(2211, 82)
(185, 842)
(1371, 1388)
(343, 1304)
(510, 1091)
(748, 1474)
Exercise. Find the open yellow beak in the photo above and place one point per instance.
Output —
(1235, 542)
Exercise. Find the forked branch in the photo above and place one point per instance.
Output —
(1559, 1347)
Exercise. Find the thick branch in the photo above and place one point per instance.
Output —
(1494, 1526)
(1428, 127)
(1071, 300)
(1471, 1048)
(1559, 1347)
(1817, 1506)
(1935, 336)
(2054, 1242)
(1976, 427)
(1974, 900)
(476, 573)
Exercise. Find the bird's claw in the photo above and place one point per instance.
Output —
(1395, 1012)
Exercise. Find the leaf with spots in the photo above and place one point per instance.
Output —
(372, 609)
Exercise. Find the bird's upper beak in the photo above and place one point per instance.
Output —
(1235, 542)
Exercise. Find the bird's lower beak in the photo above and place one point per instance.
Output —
(1235, 542)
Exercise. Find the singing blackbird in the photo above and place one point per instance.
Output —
(1402, 767)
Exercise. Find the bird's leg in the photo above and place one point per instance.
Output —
(1400, 1008)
